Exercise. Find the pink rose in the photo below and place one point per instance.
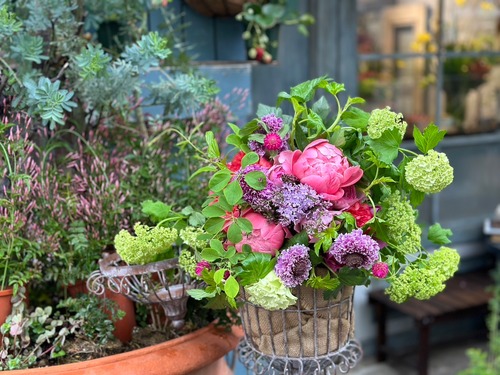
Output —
(323, 167)
(266, 237)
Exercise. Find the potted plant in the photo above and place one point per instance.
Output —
(262, 19)
(312, 205)
(19, 249)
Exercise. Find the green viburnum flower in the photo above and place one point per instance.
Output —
(429, 173)
(189, 236)
(425, 278)
(187, 262)
(147, 246)
(270, 293)
(384, 119)
(402, 229)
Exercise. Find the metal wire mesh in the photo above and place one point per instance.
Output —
(314, 336)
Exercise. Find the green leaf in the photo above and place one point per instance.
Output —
(217, 246)
(213, 147)
(439, 235)
(325, 282)
(213, 211)
(233, 192)
(219, 180)
(208, 168)
(416, 197)
(305, 91)
(214, 225)
(199, 294)
(157, 210)
(300, 238)
(356, 118)
(429, 139)
(335, 88)
(235, 140)
(322, 108)
(249, 159)
(255, 267)
(210, 255)
(256, 180)
(352, 276)
(196, 219)
(387, 146)
(219, 275)
(315, 124)
(244, 224)
(231, 287)
(234, 234)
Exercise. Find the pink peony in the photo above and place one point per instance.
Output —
(323, 167)
(266, 237)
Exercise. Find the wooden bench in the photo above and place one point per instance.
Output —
(464, 294)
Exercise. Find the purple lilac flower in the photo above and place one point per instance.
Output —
(355, 249)
(257, 147)
(259, 200)
(294, 201)
(293, 265)
(274, 124)
(318, 219)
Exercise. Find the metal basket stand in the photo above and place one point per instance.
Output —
(162, 283)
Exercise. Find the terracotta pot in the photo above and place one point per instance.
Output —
(199, 353)
(123, 327)
(5, 304)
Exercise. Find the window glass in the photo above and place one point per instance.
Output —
(400, 64)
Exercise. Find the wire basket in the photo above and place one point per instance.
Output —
(314, 336)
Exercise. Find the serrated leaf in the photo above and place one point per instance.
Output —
(429, 139)
(255, 267)
(157, 210)
(439, 235)
(356, 118)
(305, 91)
(352, 276)
(386, 147)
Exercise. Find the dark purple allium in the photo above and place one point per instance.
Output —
(293, 265)
(355, 249)
(273, 142)
(294, 201)
(273, 123)
(259, 200)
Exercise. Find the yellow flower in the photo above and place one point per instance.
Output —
(487, 5)
(460, 3)
(424, 38)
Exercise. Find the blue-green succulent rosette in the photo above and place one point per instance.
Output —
(323, 198)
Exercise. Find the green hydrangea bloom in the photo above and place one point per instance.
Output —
(270, 293)
(429, 173)
(425, 278)
(384, 119)
(150, 244)
(400, 222)
(187, 262)
(189, 236)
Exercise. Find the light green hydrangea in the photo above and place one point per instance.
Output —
(270, 293)
(150, 244)
(189, 236)
(400, 221)
(384, 119)
(425, 278)
(429, 173)
(187, 262)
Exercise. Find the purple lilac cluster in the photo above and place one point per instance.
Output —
(293, 265)
(293, 201)
(355, 249)
(318, 219)
(259, 200)
(273, 123)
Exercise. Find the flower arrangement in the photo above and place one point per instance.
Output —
(322, 200)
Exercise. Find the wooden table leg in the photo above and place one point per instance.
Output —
(424, 326)
(381, 314)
